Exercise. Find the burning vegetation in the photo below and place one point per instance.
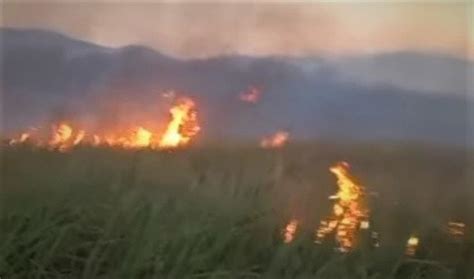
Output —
(23, 137)
(350, 212)
(180, 131)
(183, 125)
(277, 140)
(412, 245)
(290, 231)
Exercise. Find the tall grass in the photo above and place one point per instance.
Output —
(219, 213)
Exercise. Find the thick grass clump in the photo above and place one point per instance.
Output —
(219, 212)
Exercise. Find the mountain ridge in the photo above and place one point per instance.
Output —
(311, 97)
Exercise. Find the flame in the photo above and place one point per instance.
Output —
(252, 95)
(96, 140)
(64, 137)
(290, 231)
(24, 137)
(79, 137)
(279, 139)
(21, 139)
(349, 211)
(142, 138)
(61, 136)
(412, 245)
(183, 125)
(456, 230)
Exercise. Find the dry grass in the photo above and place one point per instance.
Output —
(218, 212)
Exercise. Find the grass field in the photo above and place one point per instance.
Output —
(219, 212)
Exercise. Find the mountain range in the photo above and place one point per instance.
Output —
(398, 96)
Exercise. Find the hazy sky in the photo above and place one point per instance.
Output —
(305, 28)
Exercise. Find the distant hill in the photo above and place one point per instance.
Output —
(395, 96)
(422, 72)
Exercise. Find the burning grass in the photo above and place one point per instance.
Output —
(182, 127)
(233, 212)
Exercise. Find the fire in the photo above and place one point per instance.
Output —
(290, 231)
(180, 130)
(252, 95)
(79, 137)
(412, 245)
(142, 137)
(279, 139)
(24, 137)
(137, 138)
(350, 213)
(96, 140)
(21, 139)
(61, 137)
(183, 125)
(456, 230)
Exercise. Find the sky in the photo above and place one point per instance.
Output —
(204, 29)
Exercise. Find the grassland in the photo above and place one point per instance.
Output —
(219, 212)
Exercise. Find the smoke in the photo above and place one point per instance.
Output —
(108, 88)
(205, 29)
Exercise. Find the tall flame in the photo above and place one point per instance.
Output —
(349, 211)
(277, 140)
(183, 125)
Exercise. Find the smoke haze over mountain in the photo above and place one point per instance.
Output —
(395, 96)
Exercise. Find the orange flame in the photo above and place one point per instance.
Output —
(349, 212)
(279, 139)
(290, 231)
(252, 95)
(142, 138)
(183, 125)
(61, 136)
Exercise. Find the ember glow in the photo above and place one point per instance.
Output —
(412, 245)
(456, 230)
(279, 139)
(290, 231)
(180, 130)
(350, 213)
(252, 95)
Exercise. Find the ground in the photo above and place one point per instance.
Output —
(220, 212)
